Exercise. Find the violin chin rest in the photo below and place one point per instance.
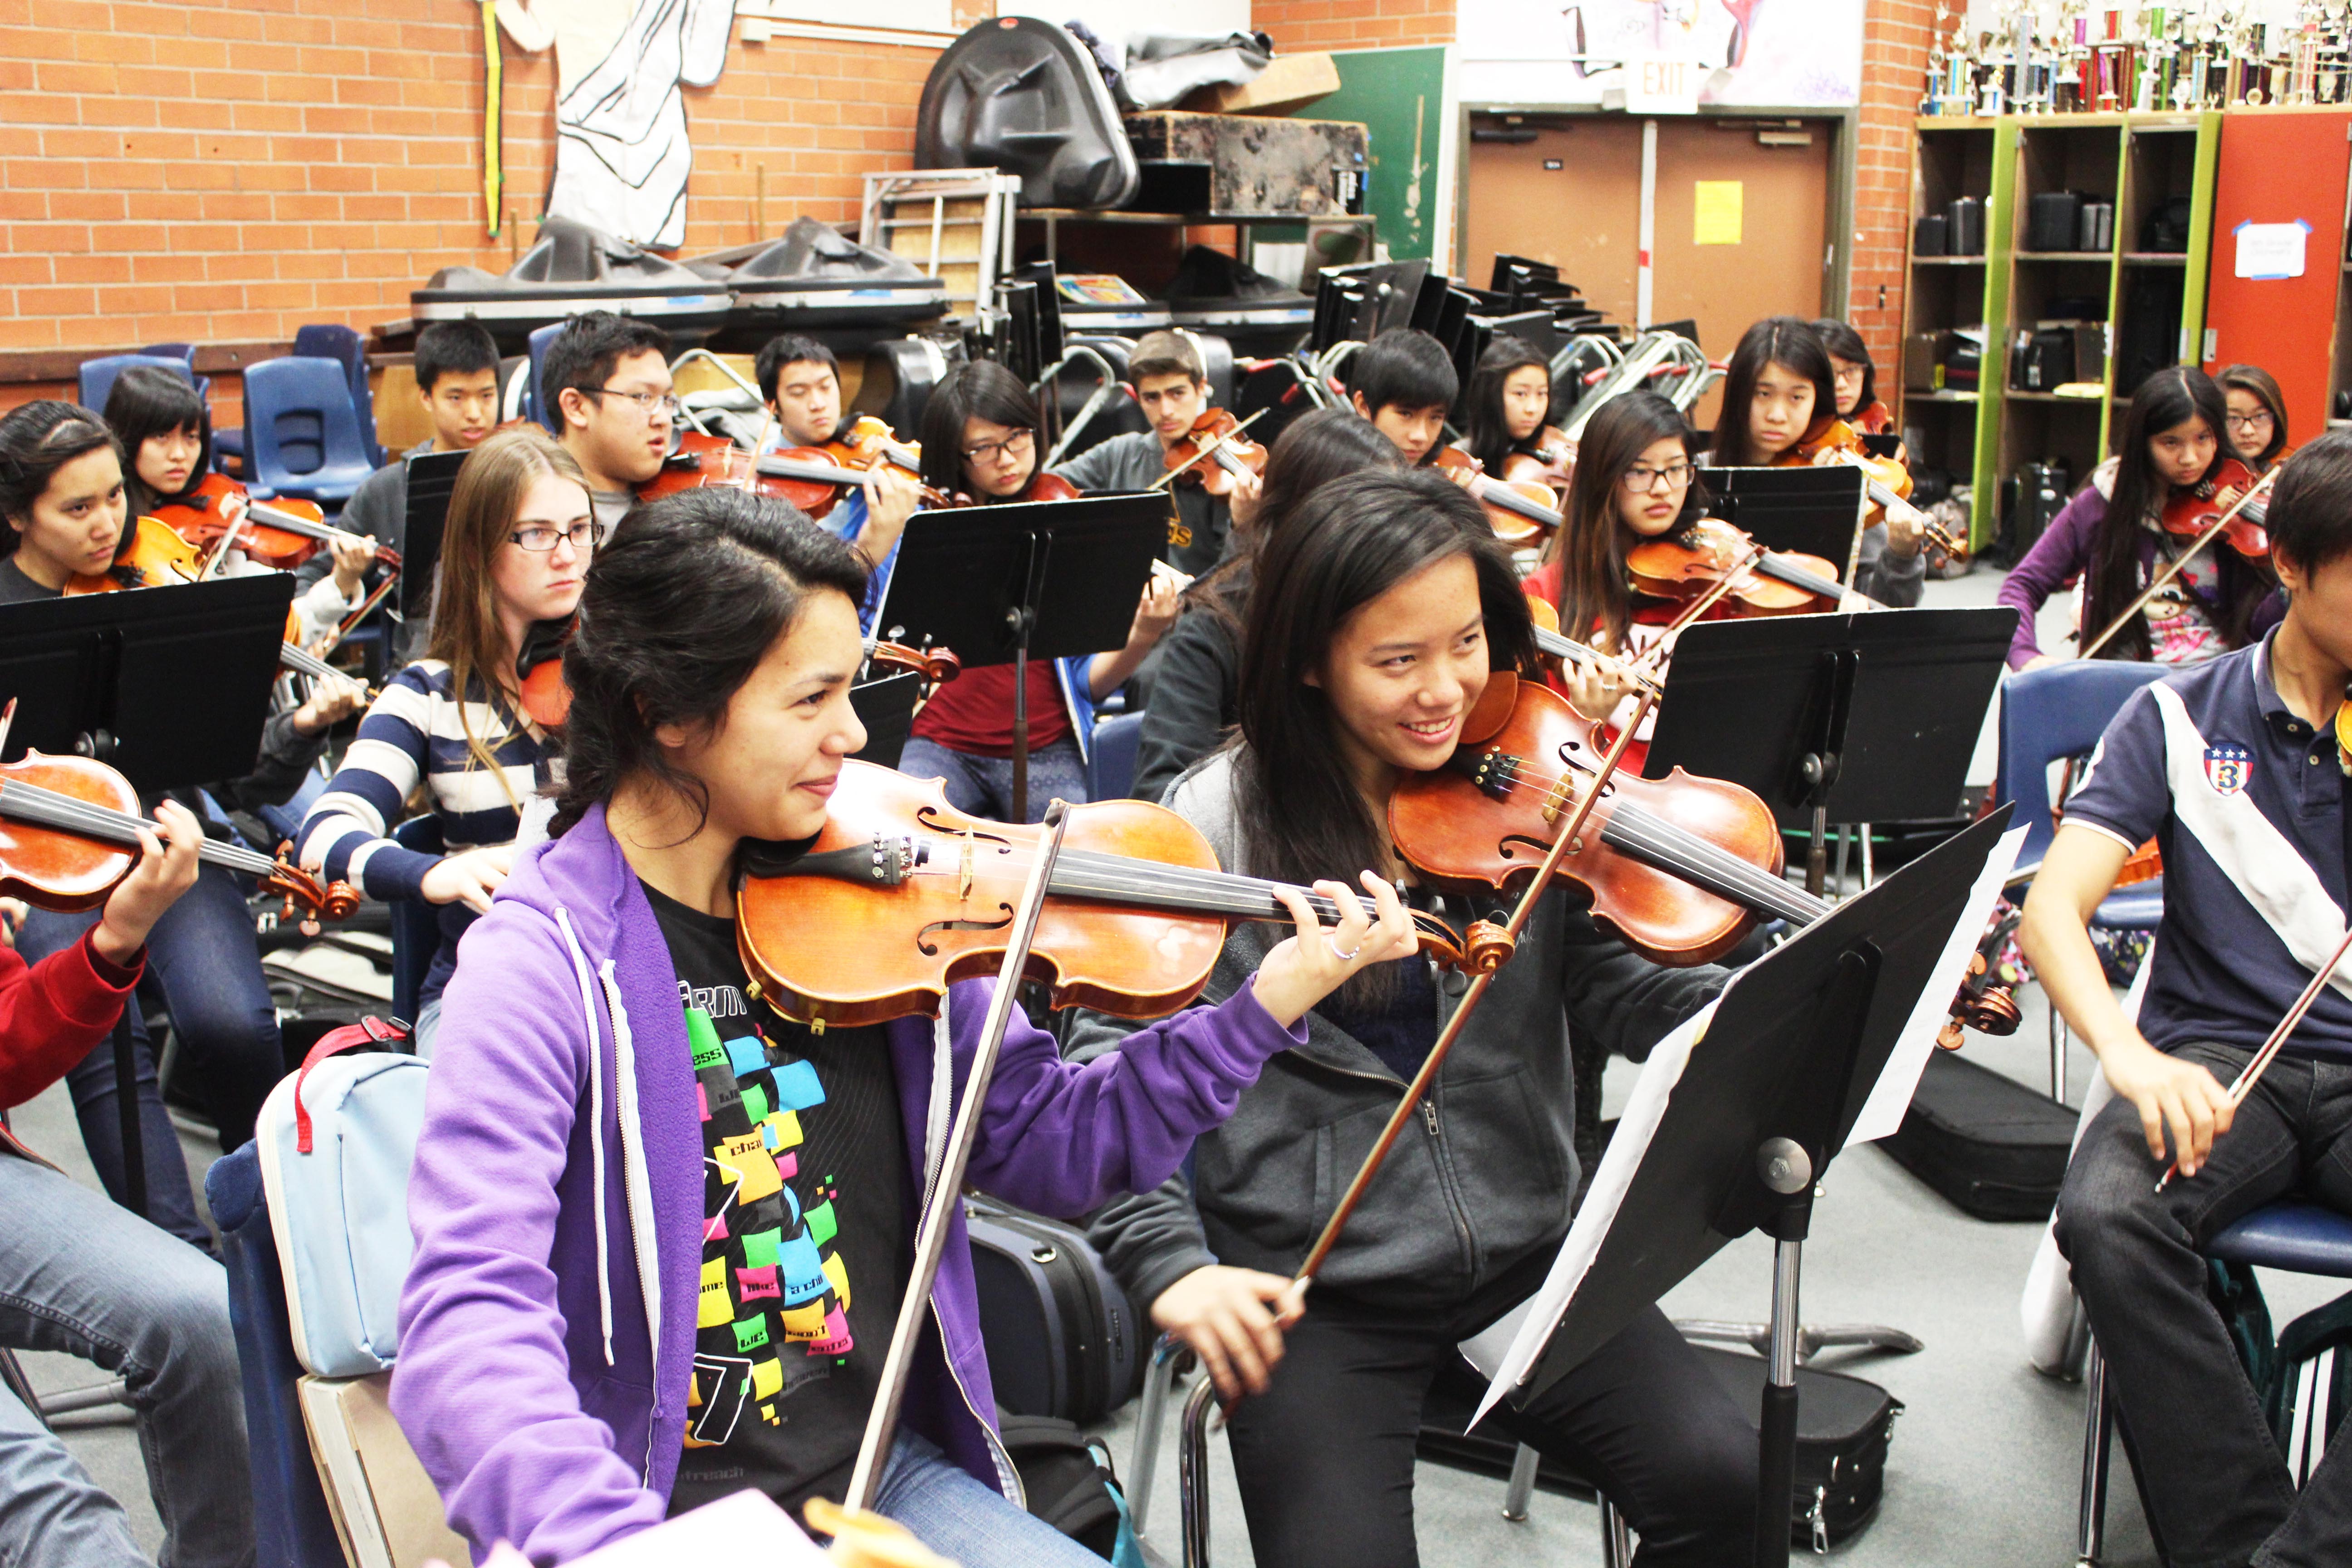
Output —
(1493, 710)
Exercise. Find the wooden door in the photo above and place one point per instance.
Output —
(1779, 264)
(2278, 168)
(1571, 197)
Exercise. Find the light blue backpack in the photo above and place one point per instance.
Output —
(336, 1140)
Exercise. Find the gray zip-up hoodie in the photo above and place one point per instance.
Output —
(1486, 1177)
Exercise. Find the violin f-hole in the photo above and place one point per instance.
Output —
(929, 949)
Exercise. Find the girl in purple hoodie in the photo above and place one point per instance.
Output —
(663, 1234)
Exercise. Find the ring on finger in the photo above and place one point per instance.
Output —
(1350, 955)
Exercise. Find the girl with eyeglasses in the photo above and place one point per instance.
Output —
(514, 552)
(2257, 416)
(979, 439)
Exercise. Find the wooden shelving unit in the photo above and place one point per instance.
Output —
(1955, 158)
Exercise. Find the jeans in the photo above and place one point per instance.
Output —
(963, 1520)
(982, 786)
(202, 956)
(78, 1274)
(1325, 1456)
(2216, 1489)
(422, 1032)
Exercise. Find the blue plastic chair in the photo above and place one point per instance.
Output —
(1111, 764)
(346, 348)
(415, 924)
(537, 406)
(301, 435)
(97, 376)
(2046, 715)
(2300, 1237)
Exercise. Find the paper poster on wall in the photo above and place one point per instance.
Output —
(1716, 211)
(1783, 54)
(2271, 251)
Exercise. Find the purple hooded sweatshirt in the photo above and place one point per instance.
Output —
(546, 1326)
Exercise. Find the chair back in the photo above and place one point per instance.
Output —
(2059, 710)
(415, 924)
(536, 403)
(302, 434)
(346, 348)
(97, 376)
(1110, 767)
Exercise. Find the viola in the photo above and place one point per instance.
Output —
(1697, 560)
(281, 534)
(867, 441)
(74, 835)
(1521, 510)
(158, 558)
(901, 895)
(698, 460)
(1213, 454)
(810, 478)
(2192, 511)
(539, 667)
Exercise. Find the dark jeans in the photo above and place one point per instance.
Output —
(202, 956)
(1325, 1456)
(2216, 1492)
(982, 786)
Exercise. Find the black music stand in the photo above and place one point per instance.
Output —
(1766, 1098)
(1839, 718)
(1813, 511)
(1003, 585)
(432, 478)
(170, 688)
(886, 706)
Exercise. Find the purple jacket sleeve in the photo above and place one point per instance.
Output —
(482, 1387)
(1062, 1137)
(2055, 559)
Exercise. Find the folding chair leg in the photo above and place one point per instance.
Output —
(1170, 1358)
(1523, 1484)
(12, 1374)
(2058, 1043)
(1616, 1540)
(1192, 1473)
(2098, 1423)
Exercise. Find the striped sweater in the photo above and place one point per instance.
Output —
(412, 734)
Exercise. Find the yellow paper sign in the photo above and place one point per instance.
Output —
(1715, 212)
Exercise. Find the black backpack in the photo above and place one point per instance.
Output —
(1068, 1479)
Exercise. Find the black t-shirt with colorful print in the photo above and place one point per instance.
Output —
(806, 1237)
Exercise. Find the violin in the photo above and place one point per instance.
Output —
(1698, 560)
(937, 665)
(698, 460)
(74, 835)
(158, 558)
(1885, 481)
(539, 668)
(1551, 464)
(901, 895)
(810, 478)
(1521, 510)
(2192, 511)
(1042, 486)
(867, 441)
(1213, 454)
(279, 534)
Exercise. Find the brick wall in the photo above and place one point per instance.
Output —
(1894, 67)
(1301, 25)
(222, 171)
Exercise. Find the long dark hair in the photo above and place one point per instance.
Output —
(1844, 342)
(1316, 450)
(37, 439)
(680, 605)
(2173, 395)
(1485, 434)
(2263, 387)
(977, 389)
(1788, 342)
(149, 401)
(1356, 537)
(1591, 546)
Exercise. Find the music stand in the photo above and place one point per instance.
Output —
(432, 478)
(886, 707)
(1838, 718)
(1818, 1044)
(1003, 585)
(1812, 512)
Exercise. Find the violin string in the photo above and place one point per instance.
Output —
(1147, 882)
(48, 807)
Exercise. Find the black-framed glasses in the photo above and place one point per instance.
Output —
(540, 537)
(1020, 444)
(662, 403)
(2260, 419)
(1641, 480)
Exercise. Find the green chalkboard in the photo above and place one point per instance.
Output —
(1399, 96)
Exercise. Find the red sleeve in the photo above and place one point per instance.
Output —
(54, 1013)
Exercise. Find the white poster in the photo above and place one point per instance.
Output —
(2268, 252)
(1780, 54)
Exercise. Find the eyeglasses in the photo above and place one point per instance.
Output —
(657, 404)
(2258, 420)
(1641, 480)
(1017, 445)
(541, 538)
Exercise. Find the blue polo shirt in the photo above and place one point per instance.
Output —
(2246, 802)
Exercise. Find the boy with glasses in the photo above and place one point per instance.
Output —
(607, 379)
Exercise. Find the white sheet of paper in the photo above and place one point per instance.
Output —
(1890, 1097)
(1506, 1350)
(2269, 251)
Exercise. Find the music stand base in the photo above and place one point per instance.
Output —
(1811, 1340)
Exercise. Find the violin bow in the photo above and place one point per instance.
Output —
(1498, 952)
(1205, 453)
(2174, 567)
(945, 1197)
(2251, 1073)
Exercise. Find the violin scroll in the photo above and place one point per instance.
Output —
(935, 665)
(305, 892)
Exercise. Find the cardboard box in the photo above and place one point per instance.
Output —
(1247, 165)
(1289, 83)
(384, 1507)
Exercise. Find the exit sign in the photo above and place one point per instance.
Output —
(1662, 84)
